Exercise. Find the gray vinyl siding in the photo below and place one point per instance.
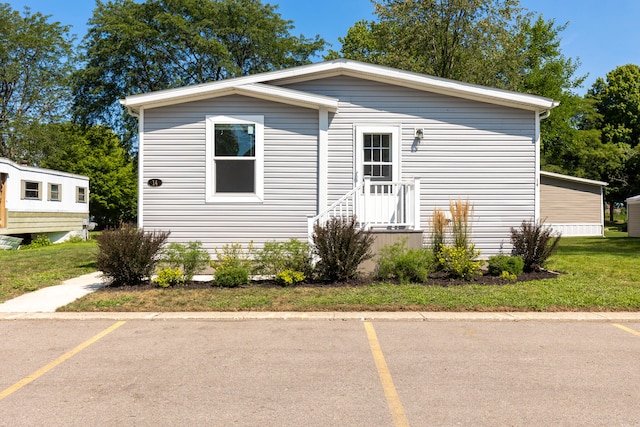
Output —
(175, 152)
(471, 150)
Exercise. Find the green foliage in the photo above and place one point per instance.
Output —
(36, 63)
(340, 246)
(39, 242)
(129, 255)
(534, 242)
(290, 277)
(234, 256)
(508, 276)
(276, 257)
(97, 153)
(138, 47)
(460, 262)
(74, 239)
(231, 276)
(169, 277)
(501, 263)
(407, 265)
(190, 258)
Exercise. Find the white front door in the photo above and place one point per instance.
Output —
(378, 158)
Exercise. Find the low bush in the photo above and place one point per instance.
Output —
(231, 276)
(169, 277)
(460, 262)
(290, 277)
(276, 257)
(500, 263)
(234, 256)
(40, 241)
(190, 258)
(535, 243)
(341, 245)
(129, 255)
(508, 276)
(407, 265)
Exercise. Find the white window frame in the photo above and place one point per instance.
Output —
(24, 183)
(396, 143)
(210, 194)
(50, 197)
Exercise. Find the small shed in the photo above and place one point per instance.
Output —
(573, 206)
(633, 216)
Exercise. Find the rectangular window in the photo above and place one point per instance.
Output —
(54, 192)
(31, 190)
(81, 194)
(377, 158)
(235, 149)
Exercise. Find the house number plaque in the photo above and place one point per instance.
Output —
(155, 182)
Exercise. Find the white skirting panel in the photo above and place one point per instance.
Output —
(575, 230)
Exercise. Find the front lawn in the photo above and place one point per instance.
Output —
(27, 270)
(600, 274)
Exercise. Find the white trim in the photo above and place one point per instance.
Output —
(50, 172)
(633, 200)
(573, 178)
(536, 197)
(334, 68)
(396, 143)
(210, 194)
(140, 168)
(323, 159)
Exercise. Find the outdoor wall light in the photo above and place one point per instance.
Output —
(419, 133)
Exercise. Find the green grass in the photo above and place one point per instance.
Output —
(599, 274)
(28, 270)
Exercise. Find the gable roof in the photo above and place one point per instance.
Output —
(268, 85)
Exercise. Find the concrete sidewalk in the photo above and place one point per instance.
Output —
(47, 300)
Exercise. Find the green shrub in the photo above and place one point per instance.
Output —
(129, 255)
(535, 243)
(340, 246)
(169, 277)
(508, 276)
(460, 262)
(234, 256)
(231, 276)
(191, 258)
(501, 263)
(289, 277)
(40, 241)
(75, 239)
(407, 265)
(276, 257)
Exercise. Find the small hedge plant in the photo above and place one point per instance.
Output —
(190, 258)
(501, 263)
(340, 245)
(396, 261)
(233, 265)
(277, 257)
(535, 243)
(290, 277)
(129, 255)
(169, 277)
(231, 277)
(460, 262)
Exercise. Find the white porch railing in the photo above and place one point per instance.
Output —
(377, 204)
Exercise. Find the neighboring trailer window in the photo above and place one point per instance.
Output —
(81, 194)
(32, 190)
(235, 147)
(55, 192)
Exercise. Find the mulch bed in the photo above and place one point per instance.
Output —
(435, 279)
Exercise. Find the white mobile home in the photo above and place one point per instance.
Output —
(37, 201)
(263, 157)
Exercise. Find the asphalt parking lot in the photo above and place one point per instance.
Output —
(192, 372)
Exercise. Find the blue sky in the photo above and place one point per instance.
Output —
(602, 35)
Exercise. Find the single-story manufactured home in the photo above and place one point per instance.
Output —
(633, 216)
(36, 201)
(572, 206)
(266, 156)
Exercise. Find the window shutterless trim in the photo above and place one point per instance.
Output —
(50, 197)
(24, 189)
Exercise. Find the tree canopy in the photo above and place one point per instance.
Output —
(36, 62)
(137, 47)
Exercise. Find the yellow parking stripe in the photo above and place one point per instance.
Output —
(397, 411)
(624, 328)
(40, 372)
